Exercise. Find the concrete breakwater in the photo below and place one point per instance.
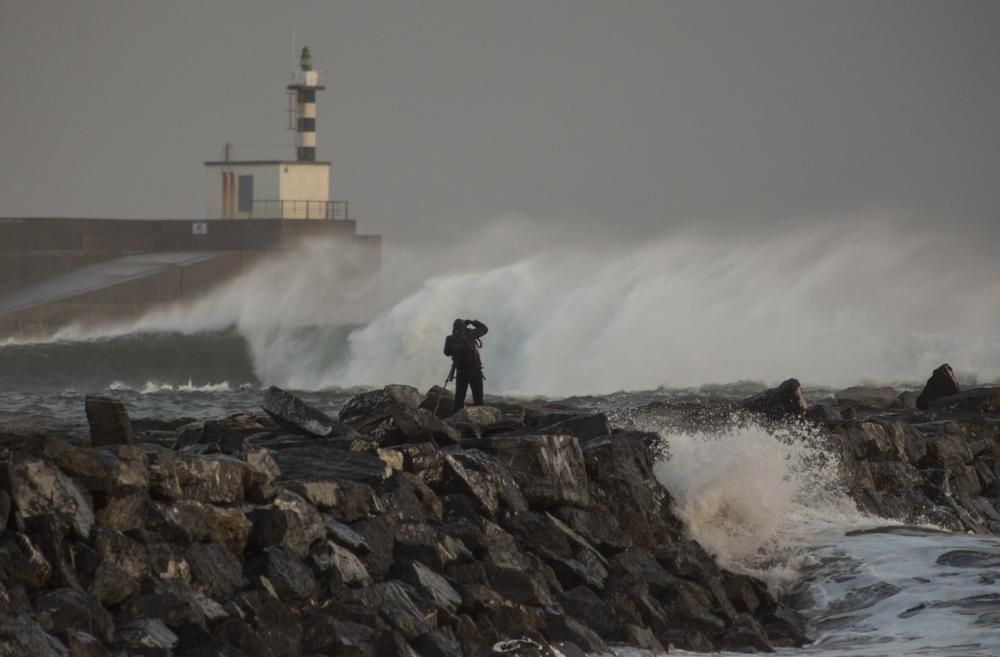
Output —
(386, 531)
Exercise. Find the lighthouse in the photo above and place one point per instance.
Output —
(304, 96)
(279, 189)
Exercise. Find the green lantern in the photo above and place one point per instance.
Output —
(306, 60)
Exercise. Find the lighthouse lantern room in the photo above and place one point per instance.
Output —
(280, 189)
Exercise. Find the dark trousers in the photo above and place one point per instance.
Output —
(465, 380)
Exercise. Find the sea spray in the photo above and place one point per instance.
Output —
(830, 304)
(756, 497)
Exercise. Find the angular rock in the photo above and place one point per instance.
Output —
(522, 648)
(349, 500)
(39, 488)
(439, 401)
(123, 512)
(293, 414)
(408, 498)
(391, 601)
(292, 580)
(380, 402)
(485, 479)
(21, 563)
(109, 422)
(21, 636)
(436, 644)
(184, 522)
(67, 609)
(784, 401)
(147, 636)
(345, 536)
(549, 469)
(122, 566)
(560, 628)
(403, 424)
(424, 543)
(943, 383)
(429, 585)
(326, 461)
(327, 635)
(212, 478)
(867, 397)
(288, 521)
(584, 605)
(340, 564)
(83, 644)
(214, 570)
(274, 626)
(172, 601)
(478, 416)
(599, 529)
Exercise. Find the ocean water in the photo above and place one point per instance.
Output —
(689, 318)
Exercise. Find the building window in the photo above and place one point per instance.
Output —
(246, 194)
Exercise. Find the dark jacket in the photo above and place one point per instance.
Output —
(462, 348)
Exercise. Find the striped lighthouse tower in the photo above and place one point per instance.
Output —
(304, 92)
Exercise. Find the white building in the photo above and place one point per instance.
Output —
(280, 189)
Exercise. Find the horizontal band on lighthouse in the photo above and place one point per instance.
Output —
(307, 124)
(306, 95)
(307, 139)
(308, 110)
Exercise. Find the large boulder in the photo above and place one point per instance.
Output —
(329, 461)
(485, 479)
(380, 402)
(293, 414)
(778, 403)
(67, 609)
(212, 478)
(549, 468)
(109, 422)
(289, 521)
(22, 636)
(943, 383)
(39, 488)
(392, 601)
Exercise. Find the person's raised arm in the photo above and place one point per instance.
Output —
(480, 329)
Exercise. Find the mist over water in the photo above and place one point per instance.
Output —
(834, 304)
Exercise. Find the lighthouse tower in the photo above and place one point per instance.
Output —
(280, 189)
(304, 92)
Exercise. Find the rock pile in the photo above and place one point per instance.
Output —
(386, 532)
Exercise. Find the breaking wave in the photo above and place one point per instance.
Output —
(834, 305)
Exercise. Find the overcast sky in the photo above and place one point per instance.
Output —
(438, 115)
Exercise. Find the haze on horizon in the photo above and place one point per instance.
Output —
(616, 120)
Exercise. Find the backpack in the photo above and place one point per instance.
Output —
(465, 352)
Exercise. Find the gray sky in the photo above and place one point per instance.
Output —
(617, 118)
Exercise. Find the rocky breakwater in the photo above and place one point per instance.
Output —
(386, 532)
(927, 457)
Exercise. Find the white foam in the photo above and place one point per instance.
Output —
(153, 387)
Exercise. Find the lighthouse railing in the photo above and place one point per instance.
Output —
(299, 209)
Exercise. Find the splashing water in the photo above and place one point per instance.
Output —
(835, 305)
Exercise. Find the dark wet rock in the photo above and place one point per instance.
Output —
(109, 422)
(68, 609)
(82, 644)
(549, 469)
(687, 559)
(345, 536)
(560, 628)
(620, 469)
(380, 402)
(340, 564)
(746, 635)
(784, 401)
(184, 522)
(212, 478)
(272, 627)
(410, 499)
(122, 564)
(291, 579)
(21, 636)
(599, 529)
(39, 488)
(522, 648)
(392, 601)
(147, 636)
(50, 534)
(437, 644)
(172, 601)
(867, 397)
(288, 521)
(329, 461)
(439, 401)
(325, 634)
(293, 414)
(429, 585)
(123, 512)
(422, 542)
(584, 605)
(407, 425)
(976, 400)
(485, 479)
(215, 570)
(583, 427)
(943, 383)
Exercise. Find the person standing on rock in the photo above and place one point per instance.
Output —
(463, 347)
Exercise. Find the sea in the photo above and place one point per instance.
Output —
(686, 319)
